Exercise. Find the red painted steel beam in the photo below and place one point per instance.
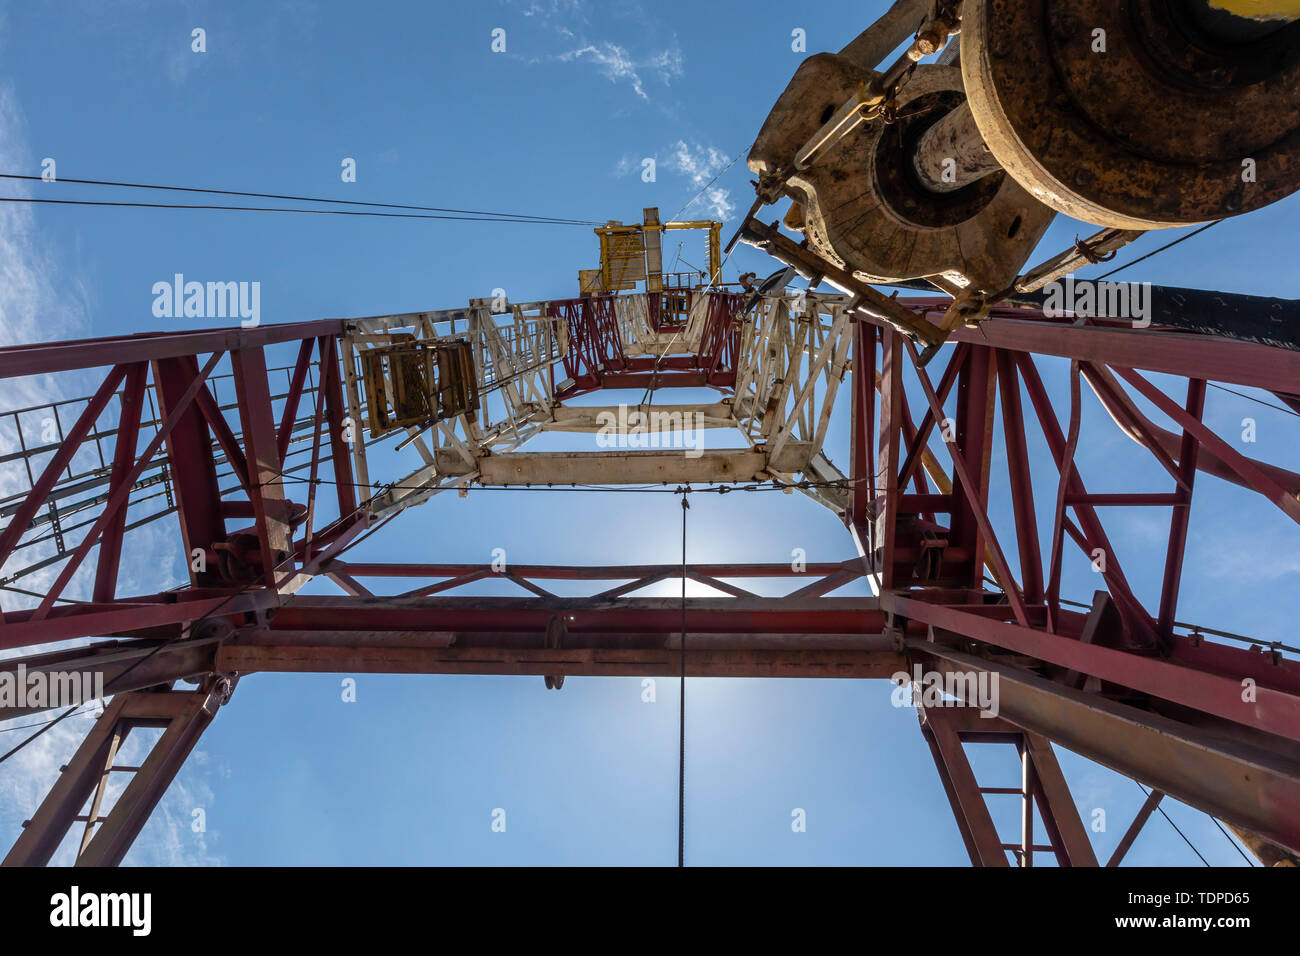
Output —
(1274, 710)
(128, 432)
(48, 357)
(221, 431)
(720, 337)
(1174, 353)
(969, 806)
(182, 716)
(468, 614)
(970, 488)
(650, 656)
(1067, 476)
(573, 572)
(118, 499)
(693, 379)
(294, 397)
(194, 476)
(1165, 444)
(60, 460)
(39, 840)
(1250, 472)
(892, 413)
(190, 421)
(344, 485)
(619, 644)
(1139, 821)
(1250, 786)
(973, 850)
(124, 665)
(167, 613)
(1021, 485)
(336, 415)
(917, 444)
(266, 490)
(1043, 784)
(647, 363)
(862, 470)
(1182, 512)
(970, 527)
(909, 438)
(1056, 806)
(1093, 533)
(1160, 443)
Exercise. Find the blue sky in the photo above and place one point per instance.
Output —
(557, 125)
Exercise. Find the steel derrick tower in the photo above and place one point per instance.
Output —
(938, 175)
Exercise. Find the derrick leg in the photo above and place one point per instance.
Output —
(181, 715)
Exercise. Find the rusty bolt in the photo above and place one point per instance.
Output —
(933, 36)
(927, 44)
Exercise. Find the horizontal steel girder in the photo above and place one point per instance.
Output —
(1194, 356)
(150, 346)
(726, 637)
(584, 572)
(639, 467)
(654, 657)
(583, 615)
(124, 665)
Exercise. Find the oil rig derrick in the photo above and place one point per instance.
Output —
(279, 448)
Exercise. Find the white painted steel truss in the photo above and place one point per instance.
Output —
(793, 353)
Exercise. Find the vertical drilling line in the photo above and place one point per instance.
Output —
(681, 714)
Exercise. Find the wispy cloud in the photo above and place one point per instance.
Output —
(34, 307)
(550, 9)
(618, 65)
(168, 839)
(701, 164)
(617, 62)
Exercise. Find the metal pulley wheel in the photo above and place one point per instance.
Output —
(1137, 114)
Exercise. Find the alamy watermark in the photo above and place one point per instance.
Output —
(213, 300)
(1088, 299)
(634, 428)
(74, 908)
(23, 688)
(929, 689)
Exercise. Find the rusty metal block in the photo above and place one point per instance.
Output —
(860, 206)
(415, 384)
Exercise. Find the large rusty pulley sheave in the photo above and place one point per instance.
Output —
(1136, 114)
